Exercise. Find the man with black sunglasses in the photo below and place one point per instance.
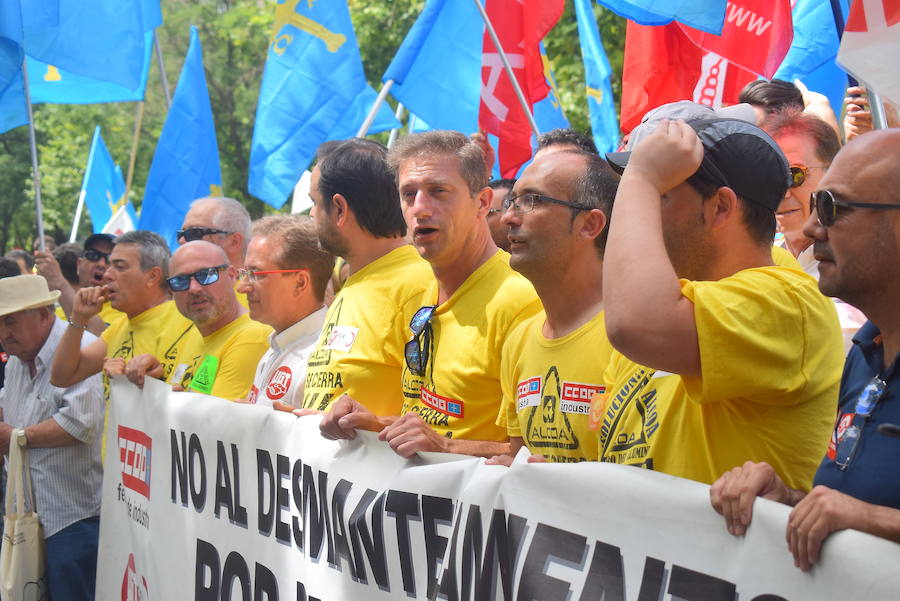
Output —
(855, 224)
(721, 356)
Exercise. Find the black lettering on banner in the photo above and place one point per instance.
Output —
(435, 510)
(282, 529)
(374, 544)
(195, 453)
(315, 513)
(449, 588)
(235, 569)
(653, 580)
(264, 582)
(179, 467)
(549, 542)
(301, 593)
(768, 597)
(696, 586)
(504, 541)
(265, 482)
(297, 521)
(606, 575)
(471, 551)
(206, 563)
(403, 506)
(341, 547)
(228, 491)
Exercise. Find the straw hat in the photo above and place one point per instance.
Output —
(23, 292)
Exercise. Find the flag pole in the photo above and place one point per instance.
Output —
(507, 67)
(162, 71)
(38, 206)
(396, 131)
(382, 94)
(135, 137)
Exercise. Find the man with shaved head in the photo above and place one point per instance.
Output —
(856, 231)
(222, 221)
(221, 354)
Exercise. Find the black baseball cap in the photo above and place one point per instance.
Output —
(99, 238)
(738, 155)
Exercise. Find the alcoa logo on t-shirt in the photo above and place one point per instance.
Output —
(134, 455)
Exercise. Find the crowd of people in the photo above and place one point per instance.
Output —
(684, 305)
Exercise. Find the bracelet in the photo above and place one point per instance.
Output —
(72, 323)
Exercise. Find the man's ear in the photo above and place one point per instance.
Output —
(593, 223)
(484, 197)
(721, 207)
(340, 208)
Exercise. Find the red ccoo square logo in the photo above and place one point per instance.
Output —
(134, 454)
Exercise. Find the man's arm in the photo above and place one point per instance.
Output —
(647, 318)
(410, 434)
(48, 267)
(71, 363)
(734, 493)
(43, 435)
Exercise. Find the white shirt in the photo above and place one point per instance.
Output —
(281, 373)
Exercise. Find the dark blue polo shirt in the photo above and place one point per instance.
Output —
(873, 473)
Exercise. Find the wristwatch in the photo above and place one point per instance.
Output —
(23, 440)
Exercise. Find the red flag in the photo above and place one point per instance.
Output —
(520, 26)
(661, 65)
(871, 41)
(756, 36)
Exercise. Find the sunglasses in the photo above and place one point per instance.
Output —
(246, 275)
(799, 174)
(197, 233)
(204, 277)
(416, 350)
(95, 255)
(524, 203)
(826, 206)
(849, 438)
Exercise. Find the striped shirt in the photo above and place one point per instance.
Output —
(66, 480)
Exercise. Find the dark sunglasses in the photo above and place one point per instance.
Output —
(416, 350)
(197, 233)
(94, 255)
(826, 205)
(799, 174)
(204, 277)
(524, 203)
(865, 404)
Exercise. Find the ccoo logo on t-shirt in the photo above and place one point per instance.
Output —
(279, 383)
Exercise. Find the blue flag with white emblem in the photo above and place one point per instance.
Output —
(313, 90)
(103, 188)
(437, 71)
(705, 15)
(13, 110)
(597, 72)
(186, 163)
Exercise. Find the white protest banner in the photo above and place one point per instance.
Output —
(210, 500)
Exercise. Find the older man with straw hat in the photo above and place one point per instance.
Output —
(62, 430)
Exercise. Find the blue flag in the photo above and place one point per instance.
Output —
(437, 71)
(186, 163)
(13, 110)
(812, 53)
(313, 90)
(597, 72)
(103, 188)
(47, 83)
(100, 39)
(705, 15)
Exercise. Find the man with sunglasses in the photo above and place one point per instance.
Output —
(451, 384)
(284, 280)
(855, 225)
(721, 356)
(220, 354)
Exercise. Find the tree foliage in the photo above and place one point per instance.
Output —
(235, 36)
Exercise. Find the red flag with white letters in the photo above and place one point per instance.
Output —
(520, 25)
(871, 43)
(756, 36)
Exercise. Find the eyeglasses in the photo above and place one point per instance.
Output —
(826, 205)
(416, 350)
(494, 211)
(197, 233)
(849, 438)
(204, 277)
(246, 275)
(94, 255)
(799, 173)
(524, 203)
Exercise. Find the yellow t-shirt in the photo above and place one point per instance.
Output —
(771, 356)
(223, 364)
(548, 385)
(360, 351)
(152, 331)
(782, 256)
(459, 395)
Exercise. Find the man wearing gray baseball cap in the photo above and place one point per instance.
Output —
(720, 354)
(62, 432)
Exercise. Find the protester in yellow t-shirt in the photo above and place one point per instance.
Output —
(357, 215)
(552, 364)
(451, 383)
(220, 354)
(722, 357)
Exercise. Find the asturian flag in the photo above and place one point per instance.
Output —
(871, 42)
